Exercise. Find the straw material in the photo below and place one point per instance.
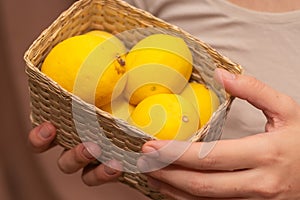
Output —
(77, 121)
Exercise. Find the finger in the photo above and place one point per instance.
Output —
(248, 152)
(169, 191)
(177, 194)
(41, 137)
(78, 157)
(213, 185)
(146, 164)
(102, 174)
(263, 97)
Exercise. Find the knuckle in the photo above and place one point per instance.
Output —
(34, 141)
(258, 86)
(35, 146)
(255, 83)
(78, 156)
(271, 155)
(69, 161)
(98, 176)
(289, 105)
(64, 166)
(101, 177)
(269, 188)
(86, 181)
(208, 162)
(159, 174)
(197, 186)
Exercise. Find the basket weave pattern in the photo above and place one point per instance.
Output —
(50, 102)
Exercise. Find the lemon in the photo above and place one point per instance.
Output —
(159, 63)
(119, 108)
(203, 98)
(107, 36)
(166, 116)
(102, 34)
(88, 66)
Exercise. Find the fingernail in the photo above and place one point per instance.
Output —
(111, 167)
(110, 171)
(142, 165)
(153, 183)
(225, 74)
(91, 151)
(150, 151)
(45, 131)
(87, 154)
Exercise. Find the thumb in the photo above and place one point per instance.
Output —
(273, 103)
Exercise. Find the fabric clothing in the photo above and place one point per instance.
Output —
(267, 45)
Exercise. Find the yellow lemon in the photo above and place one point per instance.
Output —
(159, 63)
(204, 99)
(107, 36)
(101, 33)
(119, 107)
(88, 66)
(166, 116)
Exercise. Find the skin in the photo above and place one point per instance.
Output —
(262, 166)
(41, 138)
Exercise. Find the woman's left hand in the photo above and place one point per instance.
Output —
(262, 166)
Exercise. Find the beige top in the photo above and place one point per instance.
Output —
(267, 45)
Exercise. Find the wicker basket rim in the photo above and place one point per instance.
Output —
(237, 68)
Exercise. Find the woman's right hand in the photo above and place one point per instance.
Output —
(78, 158)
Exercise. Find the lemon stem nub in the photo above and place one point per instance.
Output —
(185, 119)
(121, 61)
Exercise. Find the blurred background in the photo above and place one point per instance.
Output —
(24, 175)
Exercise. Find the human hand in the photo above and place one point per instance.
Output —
(80, 157)
(262, 166)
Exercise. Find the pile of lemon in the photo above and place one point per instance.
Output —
(148, 86)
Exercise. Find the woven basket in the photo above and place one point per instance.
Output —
(50, 102)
